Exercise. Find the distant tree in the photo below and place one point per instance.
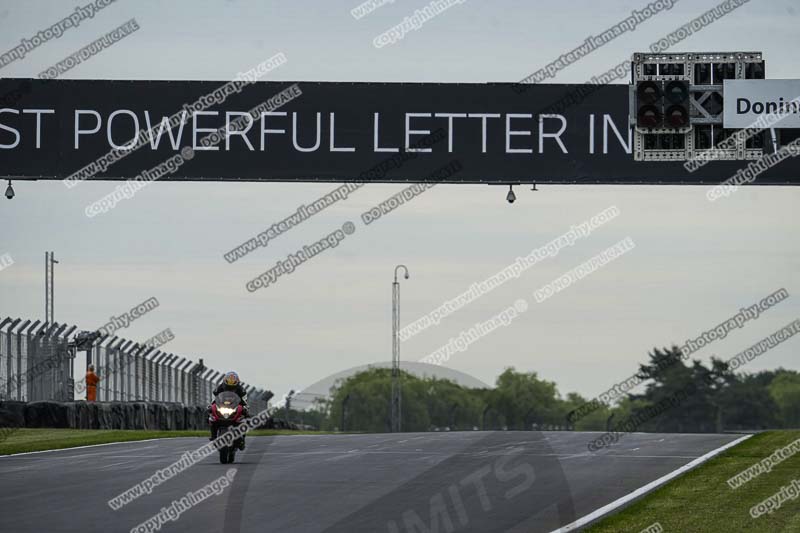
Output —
(785, 391)
(362, 402)
(524, 399)
(451, 405)
(747, 404)
(593, 421)
(685, 395)
(678, 396)
(713, 399)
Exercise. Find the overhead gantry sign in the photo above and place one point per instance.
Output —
(76, 130)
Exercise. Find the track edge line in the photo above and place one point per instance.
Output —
(642, 491)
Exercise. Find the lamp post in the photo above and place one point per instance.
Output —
(396, 391)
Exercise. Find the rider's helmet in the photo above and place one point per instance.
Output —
(231, 379)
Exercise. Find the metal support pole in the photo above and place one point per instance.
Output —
(18, 377)
(107, 371)
(144, 375)
(159, 375)
(129, 360)
(176, 384)
(396, 399)
(68, 371)
(46, 287)
(117, 359)
(170, 378)
(52, 287)
(49, 287)
(10, 387)
(137, 378)
(196, 383)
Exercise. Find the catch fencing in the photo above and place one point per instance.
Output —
(37, 362)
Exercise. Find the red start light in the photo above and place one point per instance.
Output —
(677, 117)
(649, 116)
(677, 92)
(649, 92)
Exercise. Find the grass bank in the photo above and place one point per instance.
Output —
(35, 439)
(703, 502)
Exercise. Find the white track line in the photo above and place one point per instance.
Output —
(591, 517)
(116, 464)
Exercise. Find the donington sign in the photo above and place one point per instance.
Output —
(748, 101)
(306, 131)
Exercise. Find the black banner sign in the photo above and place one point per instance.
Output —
(307, 131)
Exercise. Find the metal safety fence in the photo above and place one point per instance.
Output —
(37, 362)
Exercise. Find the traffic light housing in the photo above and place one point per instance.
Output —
(662, 104)
(676, 115)
(650, 104)
(676, 105)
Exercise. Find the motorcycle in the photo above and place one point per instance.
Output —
(226, 413)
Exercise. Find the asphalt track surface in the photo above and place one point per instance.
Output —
(465, 481)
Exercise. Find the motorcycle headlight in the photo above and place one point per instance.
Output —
(225, 411)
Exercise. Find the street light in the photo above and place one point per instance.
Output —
(404, 269)
(10, 191)
(396, 393)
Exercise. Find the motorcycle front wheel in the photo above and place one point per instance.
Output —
(223, 456)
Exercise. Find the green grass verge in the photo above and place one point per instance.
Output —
(34, 440)
(702, 501)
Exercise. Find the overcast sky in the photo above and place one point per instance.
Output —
(694, 265)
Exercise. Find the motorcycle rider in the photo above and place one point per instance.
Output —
(231, 383)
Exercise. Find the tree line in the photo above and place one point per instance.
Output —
(718, 400)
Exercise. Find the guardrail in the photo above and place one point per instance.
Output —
(37, 363)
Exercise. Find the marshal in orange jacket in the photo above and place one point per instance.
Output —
(91, 385)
